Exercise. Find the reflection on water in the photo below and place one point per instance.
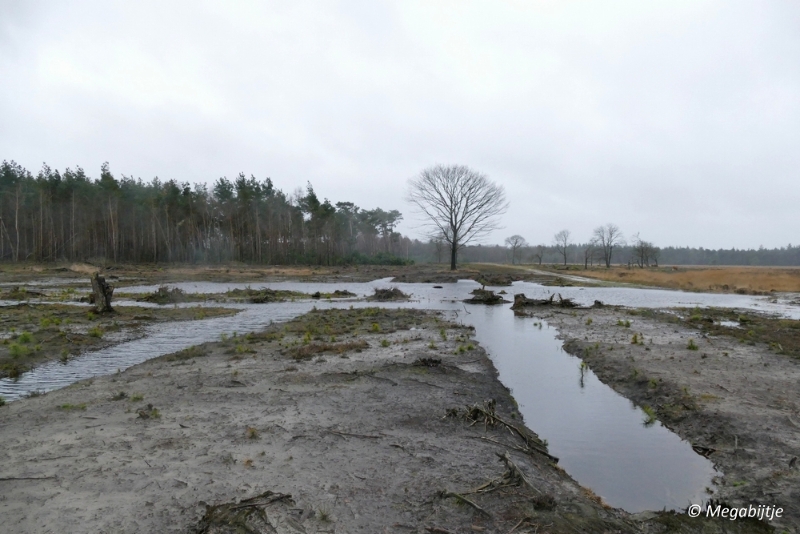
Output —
(599, 436)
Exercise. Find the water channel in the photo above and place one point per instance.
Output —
(598, 434)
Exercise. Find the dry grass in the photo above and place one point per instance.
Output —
(720, 279)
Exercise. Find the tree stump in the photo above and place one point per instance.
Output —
(102, 293)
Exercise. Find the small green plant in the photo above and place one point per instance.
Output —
(376, 327)
(136, 397)
(91, 316)
(119, 396)
(2, 401)
(95, 331)
(25, 337)
(72, 406)
(432, 345)
(307, 338)
(650, 415)
(635, 339)
(692, 345)
(588, 321)
(44, 322)
(385, 343)
(251, 433)
(324, 514)
(653, 383)
(470, 346)
(223, 337)
(443, 334)
(16, 350)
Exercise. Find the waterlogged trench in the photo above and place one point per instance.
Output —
(598, 434)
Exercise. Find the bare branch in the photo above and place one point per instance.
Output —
(461, 205)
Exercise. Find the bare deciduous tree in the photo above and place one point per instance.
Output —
(607, 238)
(589, 252)
(561, 241)
(461, 204)
(644, 252)
(515, 242)
(538, 254)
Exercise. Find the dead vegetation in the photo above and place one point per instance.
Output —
(312, 349)
(521, 301)
(164, 295)
(485, 296)
(742, 280)
(336, 294)
(427, 362)
(260, 296)
(385, 295)
(487, 415)
(262, 513)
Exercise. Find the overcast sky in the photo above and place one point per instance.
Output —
(678, 120)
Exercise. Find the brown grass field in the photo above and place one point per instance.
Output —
(719, 279)
(723, 279)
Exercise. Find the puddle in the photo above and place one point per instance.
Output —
(599, 435)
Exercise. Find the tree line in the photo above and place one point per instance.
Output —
(635, 253)
(57, 216)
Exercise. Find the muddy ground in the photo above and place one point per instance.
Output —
(344, 411)
(731, 390)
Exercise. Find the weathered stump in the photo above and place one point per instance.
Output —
(102, 293)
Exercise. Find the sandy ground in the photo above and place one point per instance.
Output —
(357, 437)
(740, 403)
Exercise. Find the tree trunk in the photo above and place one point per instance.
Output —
(453, 256)
(102, 293)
